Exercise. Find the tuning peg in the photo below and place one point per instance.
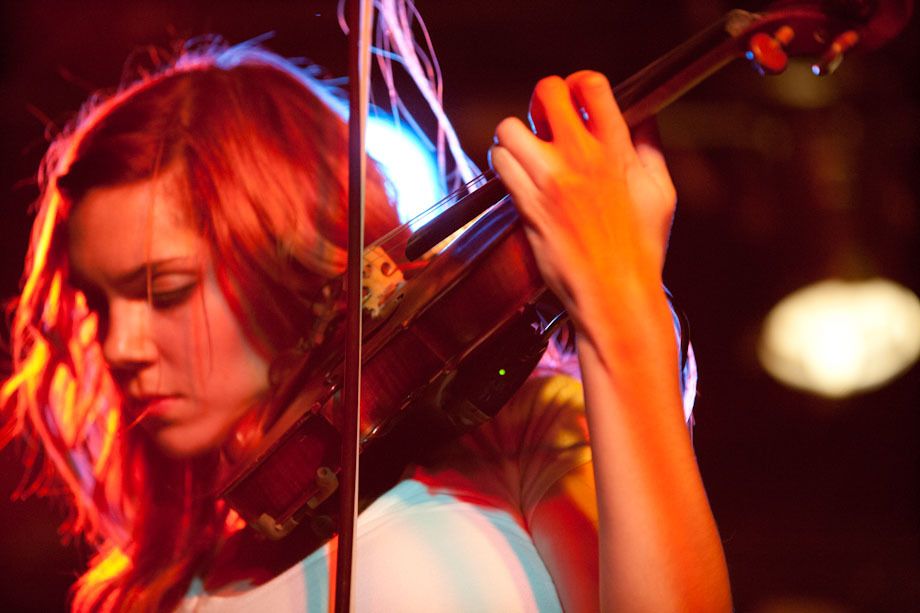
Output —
(831, 59)
(767, 53)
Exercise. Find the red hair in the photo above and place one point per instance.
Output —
(263, 152)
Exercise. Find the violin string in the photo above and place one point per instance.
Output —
(386, 241)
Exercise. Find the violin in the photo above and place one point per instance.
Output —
(450, 337)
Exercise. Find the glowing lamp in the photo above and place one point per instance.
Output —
(836, 338)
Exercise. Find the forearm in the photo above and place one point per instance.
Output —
(658, 544)
(597, 203)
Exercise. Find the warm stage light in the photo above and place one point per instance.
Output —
(836, 338)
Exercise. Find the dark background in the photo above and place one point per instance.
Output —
(782, 181)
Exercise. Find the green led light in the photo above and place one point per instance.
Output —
(501, 372)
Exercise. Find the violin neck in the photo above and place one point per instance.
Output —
(790, 29)
(641, 96)
(650, 90)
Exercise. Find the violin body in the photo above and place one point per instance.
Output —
(463, 337)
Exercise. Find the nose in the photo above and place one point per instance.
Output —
(128, 343)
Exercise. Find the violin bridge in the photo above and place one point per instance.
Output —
(381, 282)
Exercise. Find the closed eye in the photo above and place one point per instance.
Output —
(167, 299)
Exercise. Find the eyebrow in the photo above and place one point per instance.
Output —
(132, 276)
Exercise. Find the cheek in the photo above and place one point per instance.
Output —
(229, 371)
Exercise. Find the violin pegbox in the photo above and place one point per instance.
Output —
(825, 30)
(767, 52)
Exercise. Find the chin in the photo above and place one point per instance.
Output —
(181, 442)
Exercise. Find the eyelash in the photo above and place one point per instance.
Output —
(162, 300)
(167, 299)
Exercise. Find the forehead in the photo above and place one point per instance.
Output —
(115, 229)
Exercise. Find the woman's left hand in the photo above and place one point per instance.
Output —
(597, 205)
(597, 208)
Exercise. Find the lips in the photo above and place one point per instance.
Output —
(161, 407)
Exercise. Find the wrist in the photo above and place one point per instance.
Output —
(626, 319)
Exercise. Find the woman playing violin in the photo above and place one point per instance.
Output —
(186, 229)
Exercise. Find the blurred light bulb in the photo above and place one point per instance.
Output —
(836, 338)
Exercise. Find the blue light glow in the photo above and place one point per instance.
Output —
(411, 170)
